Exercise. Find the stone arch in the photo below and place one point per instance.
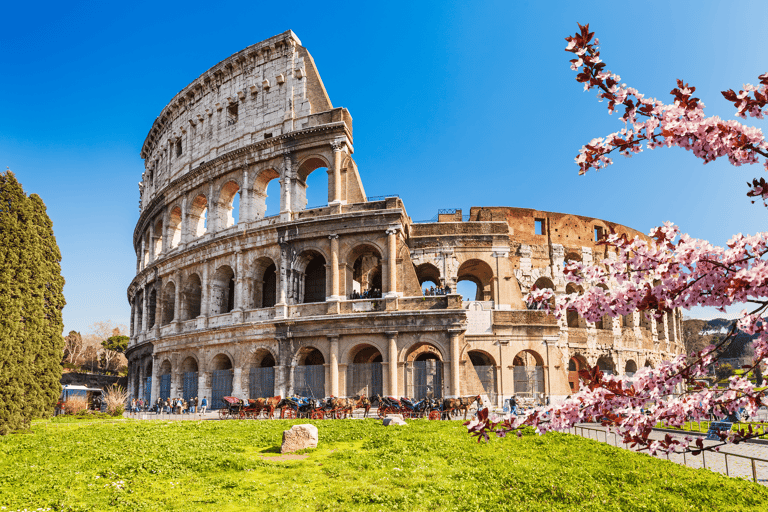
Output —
(189, 364)
(480, 358)
(222, 291)
(166, 367)
(480, 273)
(198, 216)
(427, 273)
(264, 357)
(192, 295)
(260, 190)
(221, 367)
(606, 365)
(307, 166)
(572, 316)
(265, 280)
(151, 307)
(261, 374)
(221, 361)
(157, 242)
(630, 367)
(423, 350)
(363, 267)
(189, 377)
(364, 374)
(225, 205)
(606, 322)
(309, 356)
(576, 363)
(528, 372)
(174, 227)
(309, 372)
(312, 266)
(169, 303)
(571, 229)
(363, 353)
(542, 283)
(648, 364)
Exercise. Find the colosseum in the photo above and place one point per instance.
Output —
(231, 298)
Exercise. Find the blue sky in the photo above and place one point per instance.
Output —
(455, 104)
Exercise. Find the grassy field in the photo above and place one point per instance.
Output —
(359, 465)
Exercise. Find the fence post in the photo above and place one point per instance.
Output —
(703, 459)
(725, 454)
(684, 462)
(754, 471)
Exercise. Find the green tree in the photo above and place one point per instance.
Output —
(31, 300)
(117, 343)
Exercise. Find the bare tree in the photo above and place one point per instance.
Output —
(96, 354)
(73, 347)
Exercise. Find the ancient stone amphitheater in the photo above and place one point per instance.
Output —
(230, 298)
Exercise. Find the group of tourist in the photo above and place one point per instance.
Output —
(373, 293)
(170, 405)
(439, 290)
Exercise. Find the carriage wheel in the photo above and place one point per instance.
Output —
(338, 414)
(434, 415)
(381, 411)
(318, 415)
(288, 413)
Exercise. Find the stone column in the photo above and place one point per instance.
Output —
(334, 352)
(142, 378)
(143, 250)
(205, 294)
(213, 211)
(334, 268)
(285, 198)
(155, 380)
(392, 262)
(455, 388)
(392, 360)
(165, 244)
(338, 147)
(177, 298)
(202, 387)
(238, 305)
(245, 201)
(281, 380)
(144, 309)
(498, 253)
(237, 382)
(133, 317)
(184, 227)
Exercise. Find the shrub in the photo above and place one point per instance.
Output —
(75, 405)
(115, 398)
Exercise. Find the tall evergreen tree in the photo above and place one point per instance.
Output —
(31, 300)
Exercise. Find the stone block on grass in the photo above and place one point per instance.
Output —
(394, 420)
(298, 438)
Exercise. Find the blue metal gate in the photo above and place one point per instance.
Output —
(190, 386)
(165, 386)
(427, 379)
(309, 381)
(148, 389)
(364, 379)
(261, 382)
(487, 376)
(221, 387)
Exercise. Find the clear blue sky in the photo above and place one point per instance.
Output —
(455, 104)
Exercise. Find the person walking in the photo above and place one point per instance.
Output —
(203, 405)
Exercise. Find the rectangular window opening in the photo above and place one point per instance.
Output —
(178, 148)
(267, 135)
(598, 233)
(232, 114)
(540, 230)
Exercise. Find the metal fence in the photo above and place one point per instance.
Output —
(189, 386)
(529, 380)
(221, 386)
(261, 382)
(165, 386)
(364, 379)
(487, 375)
(309, 381)
(427, 379)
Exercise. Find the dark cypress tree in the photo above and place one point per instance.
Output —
(31, 300)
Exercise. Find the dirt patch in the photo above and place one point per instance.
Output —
(284, 456)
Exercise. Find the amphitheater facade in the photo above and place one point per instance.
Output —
(232, 299)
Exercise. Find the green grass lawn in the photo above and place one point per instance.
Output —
(359, 465)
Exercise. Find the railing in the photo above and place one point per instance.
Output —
(580, 430)
(380, 198)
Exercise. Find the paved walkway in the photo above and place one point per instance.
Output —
(732, 460)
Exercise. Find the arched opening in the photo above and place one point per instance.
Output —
(630, 368)
(221, 380)
(147, 384)
(157, 241)
(266, 194)
(264, 283)
(365, 373)
(311, 185)
(424, 372)
(314, 278)
(198, 216)
(485, 367)
(261, 379)
(648, 364)
(228, 205)
(174, 227)
(575, 365)
(189, 374)
(145, 254)
(169, 302)
(480, 274)
(151, 306)
(364, 276)
(605, 364)
(309, 374)
(192, 297)
(429, 278)
(528, 372)
(606, 322)
(223, 291)
(572, 316)
(165, 380)
(541, 284)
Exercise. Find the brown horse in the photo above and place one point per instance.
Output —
(363, 402)
(267, 405)
(343, 407)
(466, 401)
